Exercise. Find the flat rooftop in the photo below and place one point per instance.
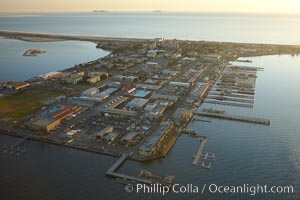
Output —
(142, 93)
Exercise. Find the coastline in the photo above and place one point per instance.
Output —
(46, 37)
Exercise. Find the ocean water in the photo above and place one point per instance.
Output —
(191, 26)
(245, 153)
(59, 55)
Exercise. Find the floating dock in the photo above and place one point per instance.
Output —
(235, 118)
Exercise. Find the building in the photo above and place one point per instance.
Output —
(102, 75)
(90, 92)
(93, 80)
(17, 85)
(107, 130)
(211, 57)
(181, 115)
(152, 144)
(157, 112)
(151, 106)
(142, 93)
(45, 124)
(180, 84)
(49, 123)
(130, 138)
(106, 93)
(51, 75)
(148, 86)
(110, 137)
(164, 97)
(136, 104)
(200, 90)
(73, 78)
(72, 133)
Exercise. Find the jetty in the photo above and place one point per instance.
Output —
(235, 118)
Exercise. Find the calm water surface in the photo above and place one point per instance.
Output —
(191, 26)
(59, 55)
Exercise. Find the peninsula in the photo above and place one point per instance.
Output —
(137, 100)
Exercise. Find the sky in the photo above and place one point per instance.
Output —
(223, 6)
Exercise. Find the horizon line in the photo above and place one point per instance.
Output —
(152, 11)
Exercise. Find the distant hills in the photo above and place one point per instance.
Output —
(100, 11)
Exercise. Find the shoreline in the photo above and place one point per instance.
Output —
(105, 153)
(48, 37)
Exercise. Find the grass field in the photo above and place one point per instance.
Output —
(24, 103)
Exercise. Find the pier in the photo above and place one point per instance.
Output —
(112, 172)
(229, 103)
(200, 151)
(235, 118)
(146, 177)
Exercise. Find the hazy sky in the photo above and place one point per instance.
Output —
(236, 6)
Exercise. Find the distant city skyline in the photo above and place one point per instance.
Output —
(223, 6)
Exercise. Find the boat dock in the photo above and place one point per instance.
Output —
(235, 118)
(200, 151)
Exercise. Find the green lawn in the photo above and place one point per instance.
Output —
(25, 102)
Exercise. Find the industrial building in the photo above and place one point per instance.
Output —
(129, 138)
(136, 104)
(49, 123)
(153, 143)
